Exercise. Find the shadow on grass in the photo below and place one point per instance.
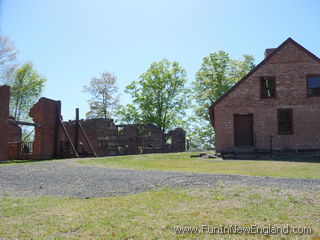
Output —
(276, 158)
(296, 159)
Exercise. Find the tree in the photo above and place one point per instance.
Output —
(217, 74)
(26, 87)
(104, 96)
(128, 114)
(199, 133)
(159, 96)
(8, 55)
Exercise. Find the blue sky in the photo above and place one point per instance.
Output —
(71, 41)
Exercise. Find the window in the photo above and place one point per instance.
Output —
(267, 87)
(120, 130)
(141, 130)
(285, 124)
(313, 85)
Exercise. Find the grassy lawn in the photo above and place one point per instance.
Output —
(182, 162)
(154, 214)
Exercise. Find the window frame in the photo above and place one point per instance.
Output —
(310, 76)
(291, 112)
(275, 86)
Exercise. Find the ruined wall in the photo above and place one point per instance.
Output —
(14, 140)
(45, 112)
(100, 132)
(4, 115)
(15, 132)
(109, 139)
(178, 140)
(290, 65)
(10, 133)
(141, 138)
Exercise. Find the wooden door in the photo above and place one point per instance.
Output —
(243, 130)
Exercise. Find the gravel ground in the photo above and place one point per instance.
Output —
(67, 178)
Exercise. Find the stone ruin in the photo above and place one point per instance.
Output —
(80, 138)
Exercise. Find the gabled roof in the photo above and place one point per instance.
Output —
(289, 40)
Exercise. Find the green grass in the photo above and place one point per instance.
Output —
(154, 214)
(183, 163)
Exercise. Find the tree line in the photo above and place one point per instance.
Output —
(160, 95)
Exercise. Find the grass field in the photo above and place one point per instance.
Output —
(184, 163)
(154, 214)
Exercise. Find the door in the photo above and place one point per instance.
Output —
(243, 130)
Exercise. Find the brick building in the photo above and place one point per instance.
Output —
(275, 106)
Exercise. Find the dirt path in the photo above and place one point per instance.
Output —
(66, 178)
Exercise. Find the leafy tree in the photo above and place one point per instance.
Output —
(217, 74)
(8, 55)
(199, 133)
(159, 96)
(26, 87)
(104, 96)
(128, 114)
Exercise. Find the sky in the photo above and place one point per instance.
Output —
(71, 41)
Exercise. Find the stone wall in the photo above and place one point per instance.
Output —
(289, 65)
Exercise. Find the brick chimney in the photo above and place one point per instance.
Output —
(268, 51)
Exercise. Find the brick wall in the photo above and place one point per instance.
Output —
(110, 139)
(100, 132)
(289, 65)
(4, 115)
(45, 112)
(14, 139)
(178, 139)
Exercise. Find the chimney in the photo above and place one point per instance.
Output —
(268, 51)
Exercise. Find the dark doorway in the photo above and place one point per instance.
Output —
(243, 130)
